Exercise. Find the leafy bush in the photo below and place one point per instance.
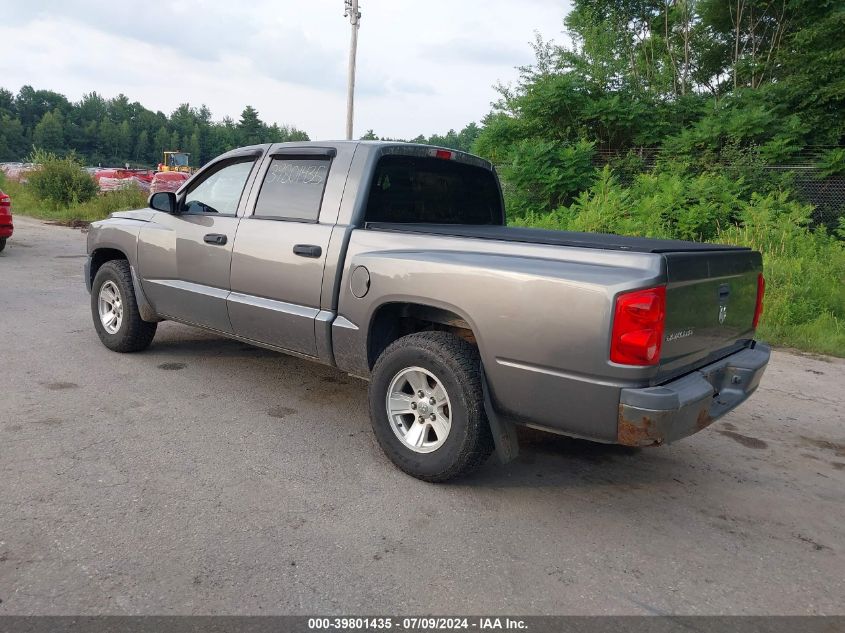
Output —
(657, 204)
(832, 163)
(547, 174)
(60, 182)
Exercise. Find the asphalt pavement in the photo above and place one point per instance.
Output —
(205, 476)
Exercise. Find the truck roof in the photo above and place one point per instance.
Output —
(412, 149)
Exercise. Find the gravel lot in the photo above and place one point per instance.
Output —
(207, 476)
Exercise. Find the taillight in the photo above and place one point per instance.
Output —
(443, 154)
(638, 327)
(758, 309)
(5, 202)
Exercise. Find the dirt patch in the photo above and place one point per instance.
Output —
(172, 366)
(49, 421)
(280, 412)
(806, 539)
(836, 447)
(73, 224)
(745, 440)
(58, 386)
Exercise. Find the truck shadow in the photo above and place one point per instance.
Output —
(200, 344)
(549, 460)
(545, 459)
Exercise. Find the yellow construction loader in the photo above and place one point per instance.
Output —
(176, 161)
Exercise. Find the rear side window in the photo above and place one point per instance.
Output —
(409, 189)
(293, 189)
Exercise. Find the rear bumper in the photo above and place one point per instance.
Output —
(656, 415)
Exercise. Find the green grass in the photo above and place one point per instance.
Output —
(24, 202)
(804, 306)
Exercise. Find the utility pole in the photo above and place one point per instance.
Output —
(354, 15)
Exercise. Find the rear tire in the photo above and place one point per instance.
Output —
(427, 406)
(2, 244)
(115, 310)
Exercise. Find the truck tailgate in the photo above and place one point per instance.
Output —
(710, 302)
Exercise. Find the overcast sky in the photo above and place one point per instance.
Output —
(423, 67)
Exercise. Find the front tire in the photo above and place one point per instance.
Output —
(427, 406)
(115, 310)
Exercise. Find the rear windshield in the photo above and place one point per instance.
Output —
(431, 190)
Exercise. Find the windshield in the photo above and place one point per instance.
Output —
(179, 160)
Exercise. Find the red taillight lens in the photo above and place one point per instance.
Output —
(444, 154)
(758, 309)
(5, 202)
(638, 327)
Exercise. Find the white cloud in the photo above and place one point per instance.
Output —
(422, 67)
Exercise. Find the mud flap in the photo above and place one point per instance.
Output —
(504, 431)
(144, 308)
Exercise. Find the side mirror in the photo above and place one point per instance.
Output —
(163, 201)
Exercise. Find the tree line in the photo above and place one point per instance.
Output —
(116, 131)
(704, 80)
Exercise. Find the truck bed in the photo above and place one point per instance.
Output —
(556, 238)
(711, 289)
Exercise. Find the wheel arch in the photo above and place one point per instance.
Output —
(394, 319)
(100, 256)
(104, 254)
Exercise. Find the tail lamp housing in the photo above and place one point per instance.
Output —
(758, 308)
(638, 322)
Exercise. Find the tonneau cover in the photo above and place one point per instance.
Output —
(556, 238)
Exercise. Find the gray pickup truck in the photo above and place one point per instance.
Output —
(392, 262)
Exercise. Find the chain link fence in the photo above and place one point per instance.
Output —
(827, 195)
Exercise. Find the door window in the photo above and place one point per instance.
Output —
(293, 189)
(221, 191)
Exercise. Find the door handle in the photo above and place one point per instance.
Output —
(215, 238)
(307, 250)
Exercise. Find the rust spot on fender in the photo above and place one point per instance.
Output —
(637, 432)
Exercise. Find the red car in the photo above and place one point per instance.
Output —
(6, 227)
